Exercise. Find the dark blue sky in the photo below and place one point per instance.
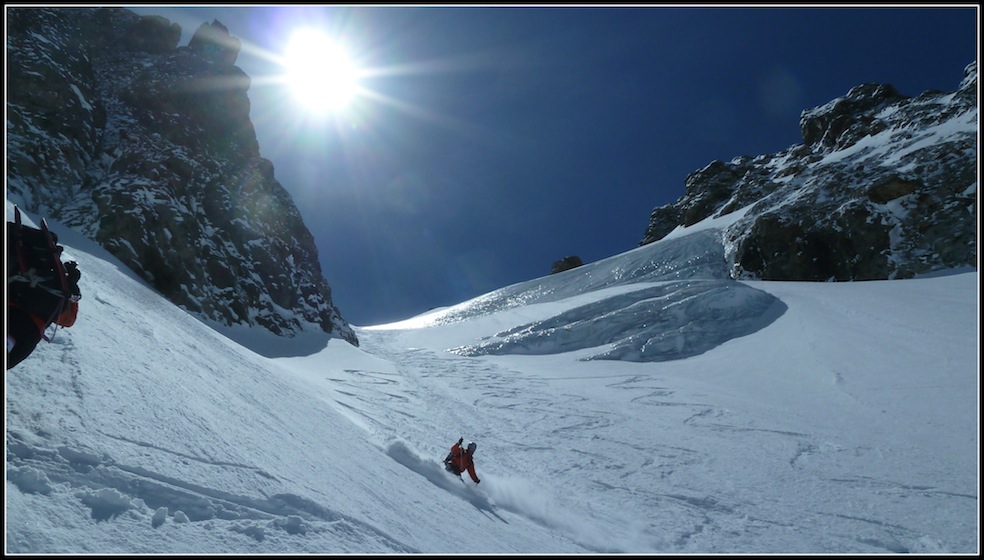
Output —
(501, 139)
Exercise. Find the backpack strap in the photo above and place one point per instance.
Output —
(56, 251)
(19, 241)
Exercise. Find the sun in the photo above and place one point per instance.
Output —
(320, 73)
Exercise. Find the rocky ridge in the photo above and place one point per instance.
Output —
(884, 186)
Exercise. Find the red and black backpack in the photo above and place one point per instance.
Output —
(37, 280)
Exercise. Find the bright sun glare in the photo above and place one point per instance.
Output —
(320, 73)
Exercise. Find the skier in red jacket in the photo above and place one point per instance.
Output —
(460, 460)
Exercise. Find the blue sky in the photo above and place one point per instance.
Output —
(495, 140)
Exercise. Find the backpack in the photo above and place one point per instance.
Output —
(37, 280)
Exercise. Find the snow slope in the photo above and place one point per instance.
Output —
(805, 418)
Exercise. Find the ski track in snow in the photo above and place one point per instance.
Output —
(564, 413)
(108, 487)
(596, 411)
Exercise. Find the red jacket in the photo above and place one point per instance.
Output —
(461, 460)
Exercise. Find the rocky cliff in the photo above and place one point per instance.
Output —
(147, 148)
(884, 186)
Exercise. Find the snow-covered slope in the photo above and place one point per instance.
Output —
(846, 424)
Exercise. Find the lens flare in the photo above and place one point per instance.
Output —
(320, 73)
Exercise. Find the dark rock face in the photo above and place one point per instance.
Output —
(154, 35)
(566, 263)
(885, 186)
(148, 149)
(845, 120)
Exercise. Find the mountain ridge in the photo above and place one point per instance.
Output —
(147, 148)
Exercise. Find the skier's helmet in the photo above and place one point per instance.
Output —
(471, 447)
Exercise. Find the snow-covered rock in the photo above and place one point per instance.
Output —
(883, 187)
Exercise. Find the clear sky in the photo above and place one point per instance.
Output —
(487, 142)
(808, 435)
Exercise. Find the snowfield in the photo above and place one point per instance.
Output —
(641, 404)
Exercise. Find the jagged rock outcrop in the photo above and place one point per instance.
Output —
(214, 41)
(884, 186)
(148, 149)
(566, 263)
